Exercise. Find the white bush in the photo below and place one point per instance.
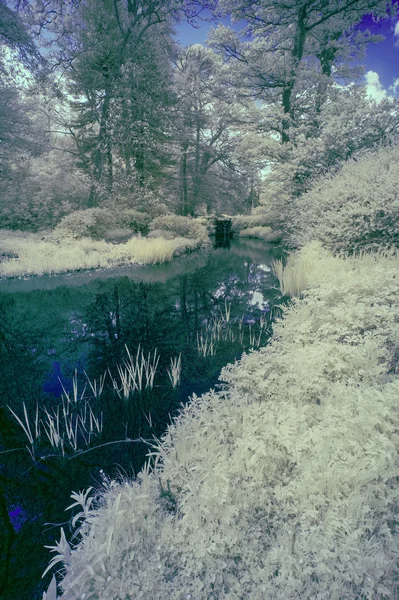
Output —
(181, 227)
(240, 222)
(263, 233)
(356, 209)
(283, 487)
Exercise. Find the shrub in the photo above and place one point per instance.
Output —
(356, 209)
(158, 210)
(40, 190)
(92, 222)
(136, 220)
(161, 233)
(118, 234)
(181, 227)
(240, 222)
(263, 233)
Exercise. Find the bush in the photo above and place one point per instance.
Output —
(39, 191)
(158, 210)
(262, 233)
(92, 222)
(356, 209)
(136, 220)
(118, 234)
(240, 222)
(181, 226)
(158, 233)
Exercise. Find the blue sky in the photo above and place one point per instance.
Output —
(382, 60)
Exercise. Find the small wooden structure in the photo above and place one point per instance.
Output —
(222, 229)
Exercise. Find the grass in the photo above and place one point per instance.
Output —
(75, 424)
(226, 329)
(174, 372)
(64, 430)
(32, 255)
(292, 276)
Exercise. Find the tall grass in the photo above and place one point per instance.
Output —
(292, 277)
(224, 328)
(135, 374)
(175, 371)
(64, 428)
(36, 256)
(76, 422)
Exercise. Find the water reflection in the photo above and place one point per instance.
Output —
(124, 349)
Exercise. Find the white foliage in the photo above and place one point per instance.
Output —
(356, 209)
(285, 486)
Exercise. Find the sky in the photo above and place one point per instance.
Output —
(382, 59)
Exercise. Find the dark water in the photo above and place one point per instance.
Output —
(70, 335)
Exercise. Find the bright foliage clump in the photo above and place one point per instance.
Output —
(92, 222)
(263, 233)
(356, 209)
(180, 227)
(284, 486)
(240, 222)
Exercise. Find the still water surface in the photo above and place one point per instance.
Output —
(71, 335)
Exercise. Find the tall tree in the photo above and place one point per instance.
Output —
(115, 55)
(18, 56)
(291, 42)
(208, 119)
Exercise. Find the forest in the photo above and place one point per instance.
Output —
(103, 109)
(119, 148)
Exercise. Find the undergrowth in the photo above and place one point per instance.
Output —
(284, 486)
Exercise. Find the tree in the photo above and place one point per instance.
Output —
(208, 118)
(119, 77)
(348, 125)
(289, 45)
(13, 33)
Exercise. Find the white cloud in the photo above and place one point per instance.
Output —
(394, 88)
(373, 86)
(396, 34)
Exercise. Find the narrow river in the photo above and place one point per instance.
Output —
(148, 337)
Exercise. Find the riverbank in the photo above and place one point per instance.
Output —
(27, 254)
(285, 484)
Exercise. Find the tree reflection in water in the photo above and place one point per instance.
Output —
(207, 308)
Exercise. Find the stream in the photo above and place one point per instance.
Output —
(121, 351)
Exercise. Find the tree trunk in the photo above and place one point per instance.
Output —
(183, 181)
(140, 161)
(297, 54)
(197, 174)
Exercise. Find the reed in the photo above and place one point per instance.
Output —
(97, 389)
(206, 345)
(175, 371)
(62, 427)
(293, 277)
(35, 256)
(136, 373)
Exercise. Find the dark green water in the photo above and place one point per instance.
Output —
(207, 308)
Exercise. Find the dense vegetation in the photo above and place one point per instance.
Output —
(285, 485)
(102, 109)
